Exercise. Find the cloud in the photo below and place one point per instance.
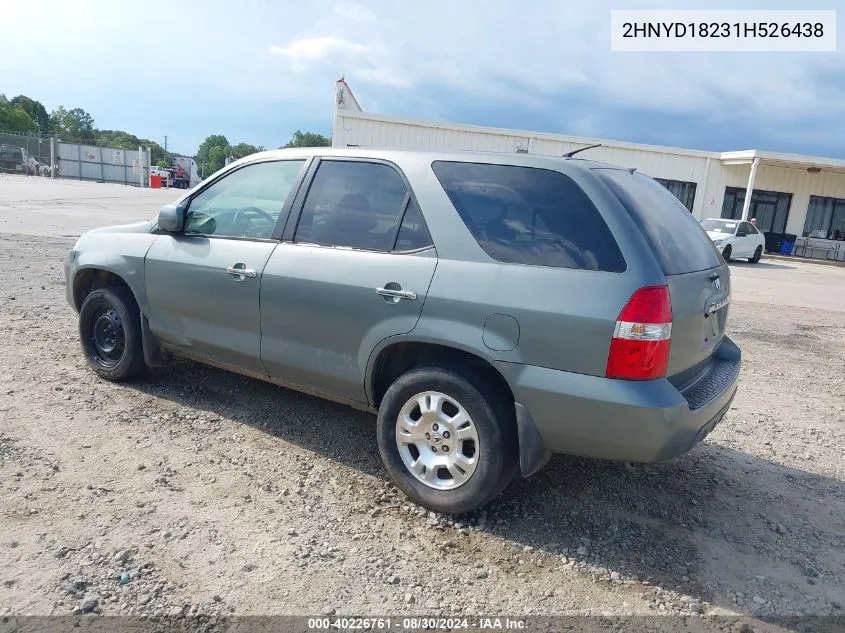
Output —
(303, 52)
(354, 12)
(381, 77)
(532, 64)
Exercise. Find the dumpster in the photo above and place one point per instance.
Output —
(155, 181)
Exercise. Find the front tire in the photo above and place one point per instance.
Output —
(110, 333)
(726, 253)
(757, 255)
(447, 439)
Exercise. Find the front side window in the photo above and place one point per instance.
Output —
(245, 203)
(353, 204)
(526, 215)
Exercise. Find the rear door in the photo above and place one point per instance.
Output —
(699, 280)
(354, 270)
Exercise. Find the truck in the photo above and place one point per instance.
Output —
(15, 159)
(189, 165)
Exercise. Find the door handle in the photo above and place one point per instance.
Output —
(239, 270)
(396, 293)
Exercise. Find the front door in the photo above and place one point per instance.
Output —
(203, 284)
(743, 244)
(357, 271)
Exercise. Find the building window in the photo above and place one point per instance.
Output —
(825, 218)
(683, 191)
(770, 208)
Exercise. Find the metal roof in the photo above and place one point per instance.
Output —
(727, 158)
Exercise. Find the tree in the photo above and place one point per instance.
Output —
(212, 153)
(14, 119)
(244, 149)
(308, 139)
(35, 110)
(75, 125)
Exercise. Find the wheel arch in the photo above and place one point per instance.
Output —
(397, 355)
(90, 278)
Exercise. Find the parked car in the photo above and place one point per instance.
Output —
(490, 309)
(14, 159)
(735, 238)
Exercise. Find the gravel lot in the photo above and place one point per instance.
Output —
(199, 492)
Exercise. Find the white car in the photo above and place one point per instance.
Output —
(160, 171)
(735, 238)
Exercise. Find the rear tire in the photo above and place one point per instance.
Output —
(457, 444)
(726, 253)
(757, 255)
(110, 333)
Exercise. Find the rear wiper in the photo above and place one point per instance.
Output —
(581, 149)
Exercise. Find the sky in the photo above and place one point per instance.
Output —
(256, 70)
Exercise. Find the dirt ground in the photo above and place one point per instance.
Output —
(194, 491)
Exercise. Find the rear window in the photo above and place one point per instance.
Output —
(524, 215)
(677, 240)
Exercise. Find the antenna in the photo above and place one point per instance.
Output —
(581, 149)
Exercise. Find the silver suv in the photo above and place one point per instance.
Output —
(491, 309)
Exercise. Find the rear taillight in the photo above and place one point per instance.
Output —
(639, 349)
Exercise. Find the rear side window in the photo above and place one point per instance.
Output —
(354, 204)
(525, 215)
(677, 240)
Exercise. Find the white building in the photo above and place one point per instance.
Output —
(792, 193)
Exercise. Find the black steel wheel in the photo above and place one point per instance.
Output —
(110, 333)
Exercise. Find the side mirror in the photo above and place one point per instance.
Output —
(171, 218)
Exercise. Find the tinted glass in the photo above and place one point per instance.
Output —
(353, 204)
(679, 243)
(245, 203)
(530, 216)
(413, 233)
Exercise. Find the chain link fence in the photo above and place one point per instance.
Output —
(24, 154)
(33, 155)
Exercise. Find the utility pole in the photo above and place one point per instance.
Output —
(165, 149)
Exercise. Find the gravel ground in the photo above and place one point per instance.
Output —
(196, 492)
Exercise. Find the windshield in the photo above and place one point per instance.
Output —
(718, 226)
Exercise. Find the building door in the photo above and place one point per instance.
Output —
(770, 208)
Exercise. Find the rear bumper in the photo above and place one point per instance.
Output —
(637, 421)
